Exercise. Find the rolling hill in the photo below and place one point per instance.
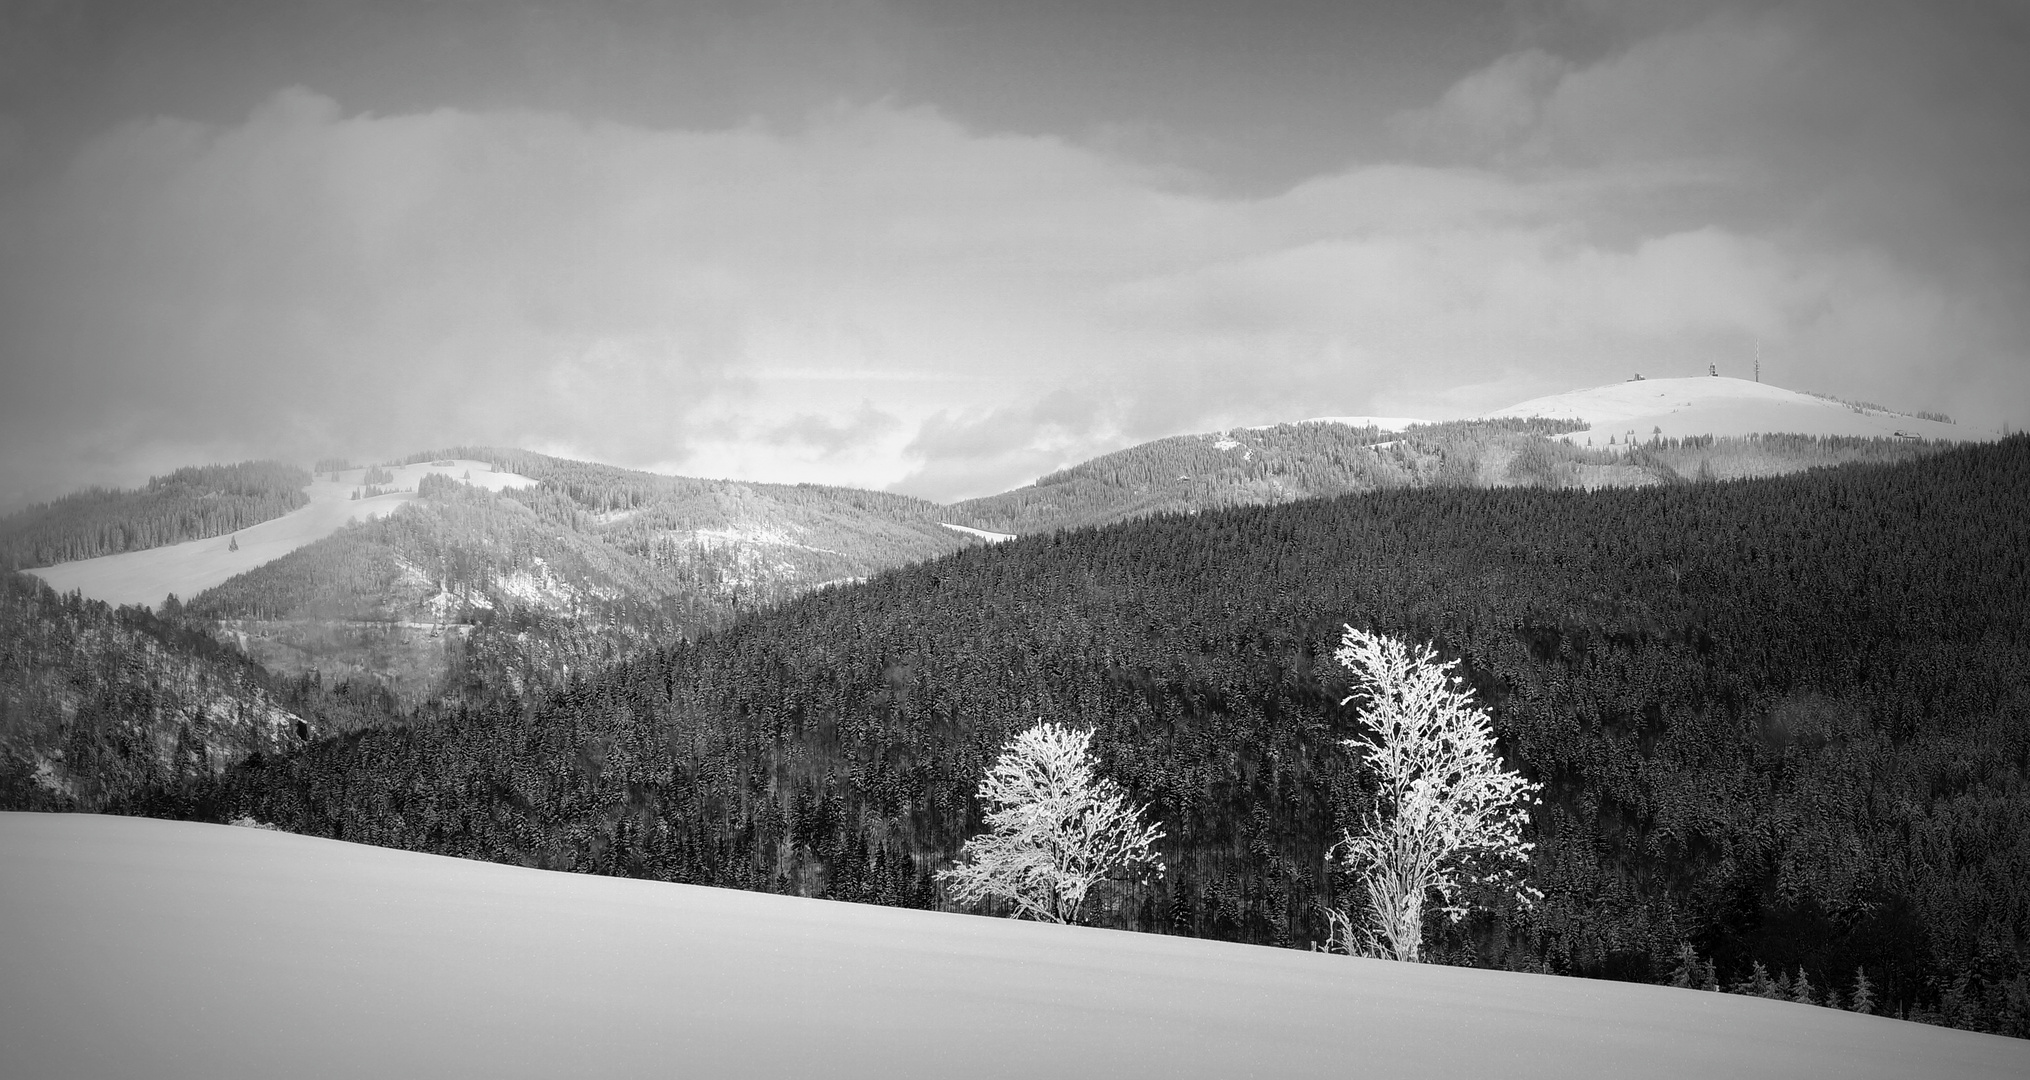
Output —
(543, 566)
(169, 949)
(147, 575)
(1774, 723)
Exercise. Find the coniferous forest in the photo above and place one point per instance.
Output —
(189, 504)
(1783, 724)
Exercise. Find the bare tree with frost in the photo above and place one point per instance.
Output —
(1446, 815)
(1057, 829)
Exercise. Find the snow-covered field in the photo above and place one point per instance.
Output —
(140, 948)
(146, 577)
(1722, 407)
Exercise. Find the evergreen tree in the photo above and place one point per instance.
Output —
(1863, 1000)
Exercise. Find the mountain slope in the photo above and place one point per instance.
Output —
(470, 591)
(188, 504)
(147, 577)
(96, 704)
(1775, 722)
(335, 960)
(1248, 467)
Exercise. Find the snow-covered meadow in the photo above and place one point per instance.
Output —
(186, 569)
(142, 948)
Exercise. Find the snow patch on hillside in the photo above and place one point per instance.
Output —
(326, 959)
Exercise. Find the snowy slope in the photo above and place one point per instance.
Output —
(166, 949)
(186, 569)
(1722, 407)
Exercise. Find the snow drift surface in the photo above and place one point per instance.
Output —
(139, 948)
(1722, 407)
(186, 569)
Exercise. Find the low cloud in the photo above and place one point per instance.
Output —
(880, 296)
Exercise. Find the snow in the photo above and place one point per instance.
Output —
(1723, 407)
(990, 537)
(172, 949)
(186, 569)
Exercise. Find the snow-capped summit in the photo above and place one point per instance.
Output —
(1716, 405)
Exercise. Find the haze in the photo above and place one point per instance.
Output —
(944, 247)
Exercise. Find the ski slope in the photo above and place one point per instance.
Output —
(142, 948)
(1722, 407)
(186, 569)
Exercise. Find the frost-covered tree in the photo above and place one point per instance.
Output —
(1447, 814)
(1057, 829)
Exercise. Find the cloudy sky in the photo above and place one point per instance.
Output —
(942, 246)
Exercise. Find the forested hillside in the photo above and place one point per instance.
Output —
(467, 588)
(188, 504)
(98, 702)
(1783, 721)
(1265, 466)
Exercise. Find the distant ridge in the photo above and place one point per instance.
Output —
(1725, 408)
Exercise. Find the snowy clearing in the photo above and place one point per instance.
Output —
(990, 537)
(186, 569)
(170, 949)
(1721, 407)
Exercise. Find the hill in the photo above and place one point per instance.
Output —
(469, 590)
(98, 703)
(321, 506)
(1249, 467)
(188, 504)
(335, 960)
(1776, 723)
(1719, 407)
(594, 562)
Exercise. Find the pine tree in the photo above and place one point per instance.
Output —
(1864, 993)
(1757, 984)
(1801, 990)
(1685, 973)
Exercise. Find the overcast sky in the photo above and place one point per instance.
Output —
(943, 246)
